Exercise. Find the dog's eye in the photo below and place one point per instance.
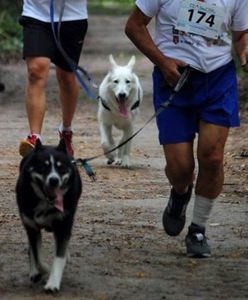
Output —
(61, 167)
(43, 167)
(128, 81)
(116, 81)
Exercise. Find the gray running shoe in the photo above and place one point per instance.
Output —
(196, 242)
(174, 214)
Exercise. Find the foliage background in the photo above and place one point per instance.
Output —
(11, 31)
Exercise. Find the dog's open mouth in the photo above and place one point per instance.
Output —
(122, 102)
(56, 194)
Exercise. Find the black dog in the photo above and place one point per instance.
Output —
(2, 87)
(48, 189)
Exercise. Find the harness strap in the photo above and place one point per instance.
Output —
(104, 103)
(134, 106)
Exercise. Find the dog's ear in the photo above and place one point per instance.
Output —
(62, 146)
(38, 146)
(131, 62)
(112, 61)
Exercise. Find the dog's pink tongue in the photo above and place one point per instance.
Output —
(123, 109)
(58, 202)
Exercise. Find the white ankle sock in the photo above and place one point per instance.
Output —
(202, 209)
(63, 128)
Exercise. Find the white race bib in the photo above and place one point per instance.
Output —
(200, 18)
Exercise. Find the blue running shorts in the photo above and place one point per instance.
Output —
(210, 97)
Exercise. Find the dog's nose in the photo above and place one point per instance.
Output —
(53, 181)
(122, 95)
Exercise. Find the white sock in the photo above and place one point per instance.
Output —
(63, 128)
(202, 209)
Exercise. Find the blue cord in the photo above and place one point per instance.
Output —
(74, 67)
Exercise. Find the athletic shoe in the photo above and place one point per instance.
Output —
(67, 136)
(196, 242)
(27, 144)
(174, 214)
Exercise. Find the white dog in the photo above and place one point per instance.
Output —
(120, 95)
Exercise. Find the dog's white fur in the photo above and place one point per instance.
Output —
(120, 91)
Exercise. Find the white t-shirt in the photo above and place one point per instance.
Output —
(202, 52)
(40, 10)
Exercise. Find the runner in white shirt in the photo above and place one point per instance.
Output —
(40, 50)
(196, 34)
(74, 10)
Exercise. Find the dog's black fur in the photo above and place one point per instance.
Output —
(48, 189)
(2, 87)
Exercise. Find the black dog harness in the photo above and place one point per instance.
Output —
(135, 105)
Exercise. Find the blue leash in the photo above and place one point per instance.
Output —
(77, 70)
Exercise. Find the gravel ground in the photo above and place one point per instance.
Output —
(119, 249)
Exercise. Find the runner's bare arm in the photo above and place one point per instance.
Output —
(240, 40)
(137, 31)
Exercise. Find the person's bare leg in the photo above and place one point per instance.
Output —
(210, 154)
(179, 165)
(38, 68)
(68, 95)
(180, 172)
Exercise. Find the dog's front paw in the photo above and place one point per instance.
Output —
(53, 283)
(123, 162)
(111, 159)
(37, 275)
(52, 287)
(126, 162)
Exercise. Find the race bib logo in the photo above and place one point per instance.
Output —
(200, 18)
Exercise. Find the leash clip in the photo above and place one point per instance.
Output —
(87, 168)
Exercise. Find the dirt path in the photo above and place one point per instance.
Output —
(119, 249)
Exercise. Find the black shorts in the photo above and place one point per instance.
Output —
(38, 40)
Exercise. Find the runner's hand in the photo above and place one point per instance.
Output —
(241, 47)
(170, 69)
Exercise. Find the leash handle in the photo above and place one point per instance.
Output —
(182, 79)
